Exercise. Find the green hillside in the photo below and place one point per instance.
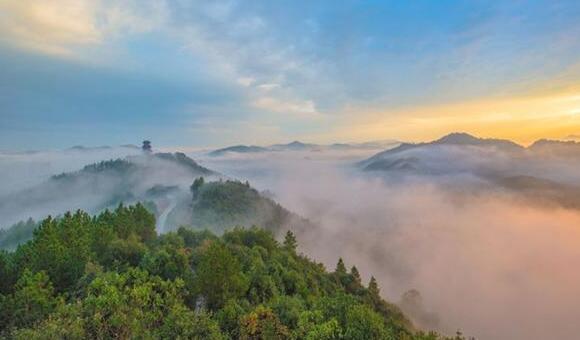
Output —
(221, 205)
(112, 277)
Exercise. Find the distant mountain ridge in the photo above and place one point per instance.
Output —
(238, 149)
(295, 145)
(453, 139)
(543, 146)
(300, 146)
(559, 148)
(499, 163)
(462, 138)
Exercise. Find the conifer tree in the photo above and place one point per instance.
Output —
(374, 290)
(355, 274)
(197, 184)
(290, 241)
(340, 267)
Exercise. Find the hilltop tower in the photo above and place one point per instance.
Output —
(146, 146)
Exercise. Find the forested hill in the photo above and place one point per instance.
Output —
(143, 163)
(215, 205)
(221, 205)
(113, 276)
(103, 185)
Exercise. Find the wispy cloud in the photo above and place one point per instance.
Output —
(307, 65)
(62, 27)
(49, 26)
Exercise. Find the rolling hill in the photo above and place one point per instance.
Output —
(101, 185)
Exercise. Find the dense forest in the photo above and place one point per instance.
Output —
(113, 276)
(220, 205)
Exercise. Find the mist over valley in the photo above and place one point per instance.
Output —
(437, 223)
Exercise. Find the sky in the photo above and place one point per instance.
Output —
(214, 73)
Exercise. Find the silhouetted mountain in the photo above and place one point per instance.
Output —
(460, 138)
(400, 164)
(497, 162)
(363, 146)
(294, 146)
(299, 146)
(389, 159)
(379, 157)
(340, 146)
(238, 149)
(557, 148)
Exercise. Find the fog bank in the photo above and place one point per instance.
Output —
(494, 260)
(484, 260)
(19, 170)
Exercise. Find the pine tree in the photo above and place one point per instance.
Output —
(290, 241)
(340, 267)
(374, 290)
(197, 184)
(355, 274)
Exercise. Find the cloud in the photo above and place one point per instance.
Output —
(242, 45)
(275, 105)
(268, 87)
(347, 61)
(61, 27)
(26, 169)
(246, 81)
(484, 260)
(95, 104)
(133, 17)
(49, 26)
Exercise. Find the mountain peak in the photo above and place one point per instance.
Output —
(295, 145)
(462, 138)
(458, 138)
(238, 149)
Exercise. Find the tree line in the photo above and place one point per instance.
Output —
(111, 276)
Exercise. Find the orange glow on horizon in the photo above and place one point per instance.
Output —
(521, 119)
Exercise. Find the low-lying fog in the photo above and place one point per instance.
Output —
(493, 262)
(19, 170)
(29, 189)
(482, 259)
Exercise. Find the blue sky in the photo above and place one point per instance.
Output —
(220, 72)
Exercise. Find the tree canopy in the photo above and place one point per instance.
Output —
(112, 276)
